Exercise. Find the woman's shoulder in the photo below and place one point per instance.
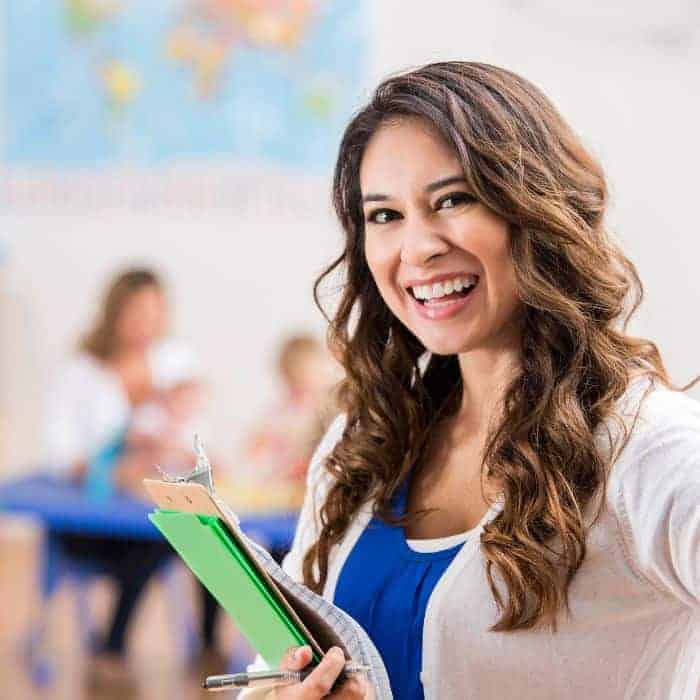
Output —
(665, 407)
(79, 380)
(664, 430)
(664, 412)
(655, 492)
(79, 367)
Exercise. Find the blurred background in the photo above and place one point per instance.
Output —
(164, 210)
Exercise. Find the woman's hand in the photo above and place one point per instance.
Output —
(319, 683)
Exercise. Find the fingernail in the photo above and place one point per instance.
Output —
(298, 652)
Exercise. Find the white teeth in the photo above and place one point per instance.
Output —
(441, 289)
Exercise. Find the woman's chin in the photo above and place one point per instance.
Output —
(448, 346)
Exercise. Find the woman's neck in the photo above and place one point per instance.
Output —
(128, 356)
(486, 374)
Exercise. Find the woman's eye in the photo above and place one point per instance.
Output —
(453, 200)
(382, 216)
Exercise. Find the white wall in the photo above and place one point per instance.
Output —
(627, 79)
(236, 287)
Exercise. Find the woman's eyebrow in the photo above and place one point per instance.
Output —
(375, 198)
(439, 184)
(432, 187)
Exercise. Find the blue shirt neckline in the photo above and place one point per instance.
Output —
(399, 532)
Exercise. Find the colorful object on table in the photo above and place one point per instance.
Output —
(99, 482)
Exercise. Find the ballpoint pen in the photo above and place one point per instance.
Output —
(267, 679)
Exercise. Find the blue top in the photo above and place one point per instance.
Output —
(385, 585)
(99, 480)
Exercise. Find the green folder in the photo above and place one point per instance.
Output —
(206, 546)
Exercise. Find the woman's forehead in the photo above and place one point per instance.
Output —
(406, 153)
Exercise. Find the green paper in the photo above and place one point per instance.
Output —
(205, 545)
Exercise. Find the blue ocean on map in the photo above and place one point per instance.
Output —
(93, 83)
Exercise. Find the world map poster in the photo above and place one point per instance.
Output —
(93, 83)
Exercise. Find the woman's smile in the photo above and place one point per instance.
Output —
(445, 303)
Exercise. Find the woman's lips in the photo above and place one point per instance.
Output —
(445, 307)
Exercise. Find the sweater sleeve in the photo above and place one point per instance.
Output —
(657, 497)
(318, 481)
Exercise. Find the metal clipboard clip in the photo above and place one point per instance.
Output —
(201, 474)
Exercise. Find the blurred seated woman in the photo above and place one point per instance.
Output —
(108, 422)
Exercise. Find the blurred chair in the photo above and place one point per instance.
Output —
(57, 568)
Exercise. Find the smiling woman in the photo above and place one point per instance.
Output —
(430, 229)
(510, 504)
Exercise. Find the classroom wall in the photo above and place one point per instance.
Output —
(241, 271)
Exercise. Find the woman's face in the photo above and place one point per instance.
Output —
(141, 320)
(427, 241)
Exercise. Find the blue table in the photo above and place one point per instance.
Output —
(62, 507)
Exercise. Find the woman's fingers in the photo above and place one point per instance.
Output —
(319, 683)
(354, 688)
(296, 658)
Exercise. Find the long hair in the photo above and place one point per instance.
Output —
(523, 162)
(101, 340)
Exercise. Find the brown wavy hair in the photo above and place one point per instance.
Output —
(101, 340)
(523, 162)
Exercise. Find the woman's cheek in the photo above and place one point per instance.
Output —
(376, 262)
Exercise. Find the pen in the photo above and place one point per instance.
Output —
(266, 679)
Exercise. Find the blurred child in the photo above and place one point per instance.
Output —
(159, 432)
(167, 423)
(279, 447)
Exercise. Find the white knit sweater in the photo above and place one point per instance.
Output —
(634, 629)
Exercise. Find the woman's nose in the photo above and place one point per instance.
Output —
(421, 243)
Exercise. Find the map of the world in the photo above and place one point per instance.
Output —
(109, 82)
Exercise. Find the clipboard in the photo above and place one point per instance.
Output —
(207, 536)
(271, 608)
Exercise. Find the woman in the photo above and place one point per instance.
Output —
(510, 504)
(123, 361)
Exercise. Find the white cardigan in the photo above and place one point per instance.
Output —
(634, 630)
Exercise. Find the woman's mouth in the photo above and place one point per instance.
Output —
(445, 303)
